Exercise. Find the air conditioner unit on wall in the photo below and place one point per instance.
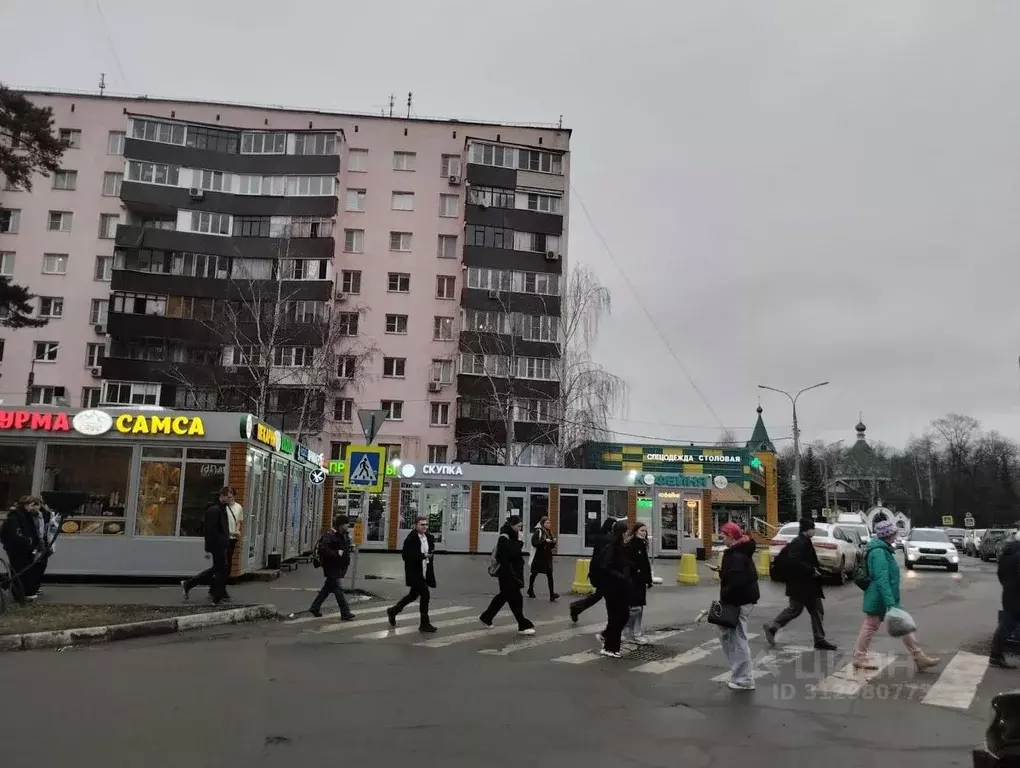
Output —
(341, 296)
(435, 386)
(454, 179)
(552, 256)
(100, 328)
(96, 372)
(197, 193)
(493, 294)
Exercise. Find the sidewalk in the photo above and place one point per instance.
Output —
(378, 573)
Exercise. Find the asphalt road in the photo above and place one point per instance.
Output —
(360, 693)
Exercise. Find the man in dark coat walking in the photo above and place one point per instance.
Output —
(334, 553)
(419, 574)
(22, 536)
(1009, 619)
(217, 543)
(803, 587)
(598, 544)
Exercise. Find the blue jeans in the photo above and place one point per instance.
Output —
(737, 649)
(635, 627)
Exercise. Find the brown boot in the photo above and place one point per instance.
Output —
(923, 661)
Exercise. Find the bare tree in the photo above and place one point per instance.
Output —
(589, 394)
(728, 438)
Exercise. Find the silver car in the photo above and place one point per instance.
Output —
(930, 546)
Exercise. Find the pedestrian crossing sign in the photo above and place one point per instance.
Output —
(365, 468)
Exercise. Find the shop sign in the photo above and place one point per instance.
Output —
(679, 481)
(702, 458)
(336, 467)
(35, 422)
(442, 469)
(181, 426)
(252, 429)
(305, 454)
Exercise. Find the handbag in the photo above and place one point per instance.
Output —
(723, 615)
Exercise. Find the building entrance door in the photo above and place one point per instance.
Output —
(255, 510)
(669, 521)
(593, 504)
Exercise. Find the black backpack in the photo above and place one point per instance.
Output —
(317, 552)
(781, 565)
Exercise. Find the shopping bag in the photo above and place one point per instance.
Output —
(722, 615)
(899, 622)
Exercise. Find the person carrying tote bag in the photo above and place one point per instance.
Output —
(738, 593)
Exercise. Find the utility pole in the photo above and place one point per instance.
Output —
(796, 440)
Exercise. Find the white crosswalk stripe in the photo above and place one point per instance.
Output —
(848, 680)
(540, 640)
(587, 656)
(958, 683)
(687, 657)
(334, 615)
(442, 642)
(379, 620)
(769, 664)
(411, 629)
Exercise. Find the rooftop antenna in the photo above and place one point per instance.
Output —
(102, 83)
(409, 94)
(560, 124)
(391, 105)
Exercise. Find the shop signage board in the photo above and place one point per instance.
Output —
(317, 476)
(253, 429)
(678, 481)
(30, 421)
(706, 457)
(93, 423)
(433, 470)
(140, 424)
(365, 468)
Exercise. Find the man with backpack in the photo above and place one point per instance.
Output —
(333, 555)
(797, 563)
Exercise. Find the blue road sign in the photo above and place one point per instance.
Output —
(365, 468)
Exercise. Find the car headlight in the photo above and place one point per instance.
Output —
(954, 558)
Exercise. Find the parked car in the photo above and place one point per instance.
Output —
(930, 546)
(956, 537)
(838, 549)
(991, 544)
(861, 529)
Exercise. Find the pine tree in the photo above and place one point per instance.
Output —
(16, 307)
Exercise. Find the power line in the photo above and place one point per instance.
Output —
(655, 325)
(109, 41)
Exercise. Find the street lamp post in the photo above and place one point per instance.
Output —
(796, 440)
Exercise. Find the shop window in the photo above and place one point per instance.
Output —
(174, 491)
(17, 464)
(569, 509)
(378, 512)
(159, 489)
(90, 482)
(205, 474)
(410, 504)
(538, 507)
(460, 500)
(489, 509)
(616, 499)
(692, 518)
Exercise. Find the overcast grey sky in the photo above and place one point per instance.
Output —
(798, 191)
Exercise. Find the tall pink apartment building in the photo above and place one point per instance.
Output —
(437, 248)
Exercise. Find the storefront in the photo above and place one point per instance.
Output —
(134, 486)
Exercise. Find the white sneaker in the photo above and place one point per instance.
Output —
(611, 654)
(740, 686)
(528, 631)
(598, 638)
(642, 640)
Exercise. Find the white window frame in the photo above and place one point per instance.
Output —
(439, 413)
(398, 321)
(449, 165)
(66, 221)
(361, 166)
(394, 409)
(439, 323)
(112, 189)
(394, 367)
(158, 174)
(65, 180)
(350, 281)
(346, 409)
(108, 223)
(14, 221)
(99, 311)
(403, 282)
(345, 319)
(56, 303)
(90, 396)
(438, 454)
(94, 354)
(441, 371)
(443, 281)
(45, 351)
(354, 241)
(402, 241)
(54, 263)
(404, 161)
(210, 223)
(402, 201)
(346, 366)
(46, 395)
(441, 249)
(354, 200)
(293, 357)
(7, 263)
(115, 142)
(72, 136)
(449, 206)
(159, 131)
(139, 392)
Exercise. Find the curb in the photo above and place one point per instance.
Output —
(91, 635)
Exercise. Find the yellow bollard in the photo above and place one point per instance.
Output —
(718, 565)
(581, 585)
(688, 571)
(763, 563)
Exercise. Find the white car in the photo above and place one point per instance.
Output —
(836, 548)
(930, 546)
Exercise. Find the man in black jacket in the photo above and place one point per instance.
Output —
(803, 587)
(598, 544)
(1009, 620)
(419, 574)
(22, 537)
(217, 543)
(334, 552)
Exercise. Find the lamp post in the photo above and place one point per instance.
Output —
(796, 439)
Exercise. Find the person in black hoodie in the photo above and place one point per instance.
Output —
(334, 552)
(640, 582)
(419, 574)
(580, 606)
(615, 582)
(803, 587)
(1009, 620)
(543, 543)
(738, 586)
(510, 573)
(21, 536)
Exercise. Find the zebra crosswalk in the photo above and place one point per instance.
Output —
(688, 653)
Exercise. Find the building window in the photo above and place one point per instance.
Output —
(445, 285)
(66, 180)
(46, 351)
(315, 144)
(449, 206)
(538, 327)
(437, 454)
(210, 223)
(304, 311)
(394, 409)
(541, 162)
(290, 269)
(398, 282)
(47, 396)
(99, 311)
(355, 200)
(394, 367)
(212, 139)
(127, 393)
(51, 306)
(350, 281)
(442, 328)
(90, 396)
(489, 237)
(154, 173)
(150, 304)
(293, 357)
(115, 143)
(60, 221)
(492, 197)
(338, 451)
(493, 154)
(404, 161)
(447, 247)
(439, 414)
(400, 241)
(392, 450)
(157, 130)
(311, 186)
(251, 226)
(54, 264)
(211, 181)
(267, 186)
(343, 409)
(104, 268)
(347, 323)
(94, 354)
(10, 218)
(6, 263)
(346, 367)
(396, 324)
(449, 166)
(72, 137)
(402, 201)
(264, 143)
(441, 371)
(536, 242)
(111, 184)
(545, 203)
(357, 160)
(108, 225)
(354, 241)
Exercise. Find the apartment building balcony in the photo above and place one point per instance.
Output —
(265, 165)
(218, 288)
(148, 199)
(485, 343)
(129, 236)
(509, 301)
